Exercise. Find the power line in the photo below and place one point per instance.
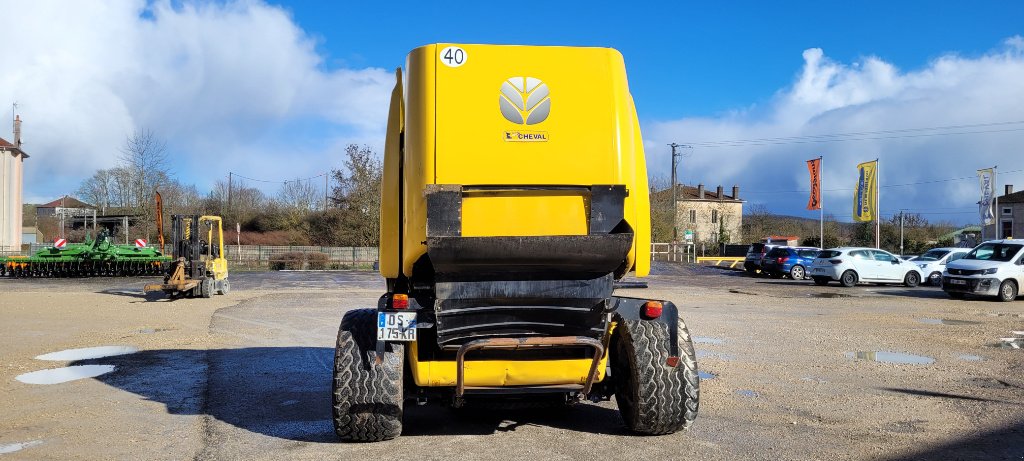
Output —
(280, 182)
(863, 136)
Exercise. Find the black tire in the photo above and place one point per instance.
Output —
(225, 287)
(848, 279)
(935, 279)
(206, 287)
(1007, 291)
(956, 295)
(797, 272)
(912, 279)
(653, 397)
(821, 281)
(367, 395)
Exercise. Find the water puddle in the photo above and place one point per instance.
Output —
(707, 340)
(88, 353)
(13, 447)
(63, 375)
(830, 295)
(714, 355)
(747, 393)
(891, 357)
(947, 322)
(705, 375)
(970, 357)
(147, 331)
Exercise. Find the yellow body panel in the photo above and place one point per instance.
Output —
(494, 373)
(418, 158)
(389, 200)
(455, 133)
(525, 213)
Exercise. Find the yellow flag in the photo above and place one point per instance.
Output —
(866, 195)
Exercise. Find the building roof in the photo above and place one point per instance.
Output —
(66, 202)
(685, 192)
(4, 144)
(1016, 197)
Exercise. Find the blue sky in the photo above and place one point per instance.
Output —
(683, 58)
(276, 90)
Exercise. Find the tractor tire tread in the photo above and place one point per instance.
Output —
(367, 396)
(665, 399)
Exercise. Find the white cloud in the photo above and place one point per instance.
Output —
(231, 86)
(869, 95)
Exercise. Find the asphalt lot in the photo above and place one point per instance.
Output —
(791, 371)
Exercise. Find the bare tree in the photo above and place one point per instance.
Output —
(98, 189)
(145, 157)
(299, 195)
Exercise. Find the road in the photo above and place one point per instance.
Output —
(791, 371)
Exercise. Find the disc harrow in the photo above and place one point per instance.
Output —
(98, 258)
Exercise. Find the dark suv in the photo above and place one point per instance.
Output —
(755, 253)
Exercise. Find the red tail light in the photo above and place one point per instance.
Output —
(836, 261)
(651, 309)
(400, 301)
(781, 260)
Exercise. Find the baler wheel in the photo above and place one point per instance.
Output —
(654, 397)
(367, 392)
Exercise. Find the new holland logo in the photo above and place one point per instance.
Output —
(524, 100)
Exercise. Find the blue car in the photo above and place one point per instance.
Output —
(791, 261)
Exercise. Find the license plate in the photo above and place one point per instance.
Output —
(396, 326)
(816, 271)
(957, 282)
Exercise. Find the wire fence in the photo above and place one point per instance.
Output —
(301, 257)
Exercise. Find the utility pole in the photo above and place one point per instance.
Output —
(229, 190)
(675, 206)
(901, 233)
(327, 177)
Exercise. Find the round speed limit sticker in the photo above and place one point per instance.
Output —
(453, 56)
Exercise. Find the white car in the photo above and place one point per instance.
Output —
(852, 265)
(994, 268)
(934, 261)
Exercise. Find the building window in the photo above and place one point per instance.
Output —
(693, 216)
(714, 216)
(1007, 211)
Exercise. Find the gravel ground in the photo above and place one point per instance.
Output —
(791, 371)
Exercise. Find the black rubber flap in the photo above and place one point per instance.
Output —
(557, 255)
(474, 309)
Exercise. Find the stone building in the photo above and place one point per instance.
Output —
(712, 216)
(11, 159)
(1009, 216)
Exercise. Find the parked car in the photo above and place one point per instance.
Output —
(852, 265)
(934, 261)
(755, 255)
(994, 268)
(791, 261)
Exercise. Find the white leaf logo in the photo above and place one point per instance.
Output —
(524, 100)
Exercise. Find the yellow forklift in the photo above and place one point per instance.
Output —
(199, 268)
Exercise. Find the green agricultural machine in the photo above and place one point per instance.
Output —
(94, 258)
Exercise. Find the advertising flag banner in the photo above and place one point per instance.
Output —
(866, 195)
(988, 194)
(814, 167)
